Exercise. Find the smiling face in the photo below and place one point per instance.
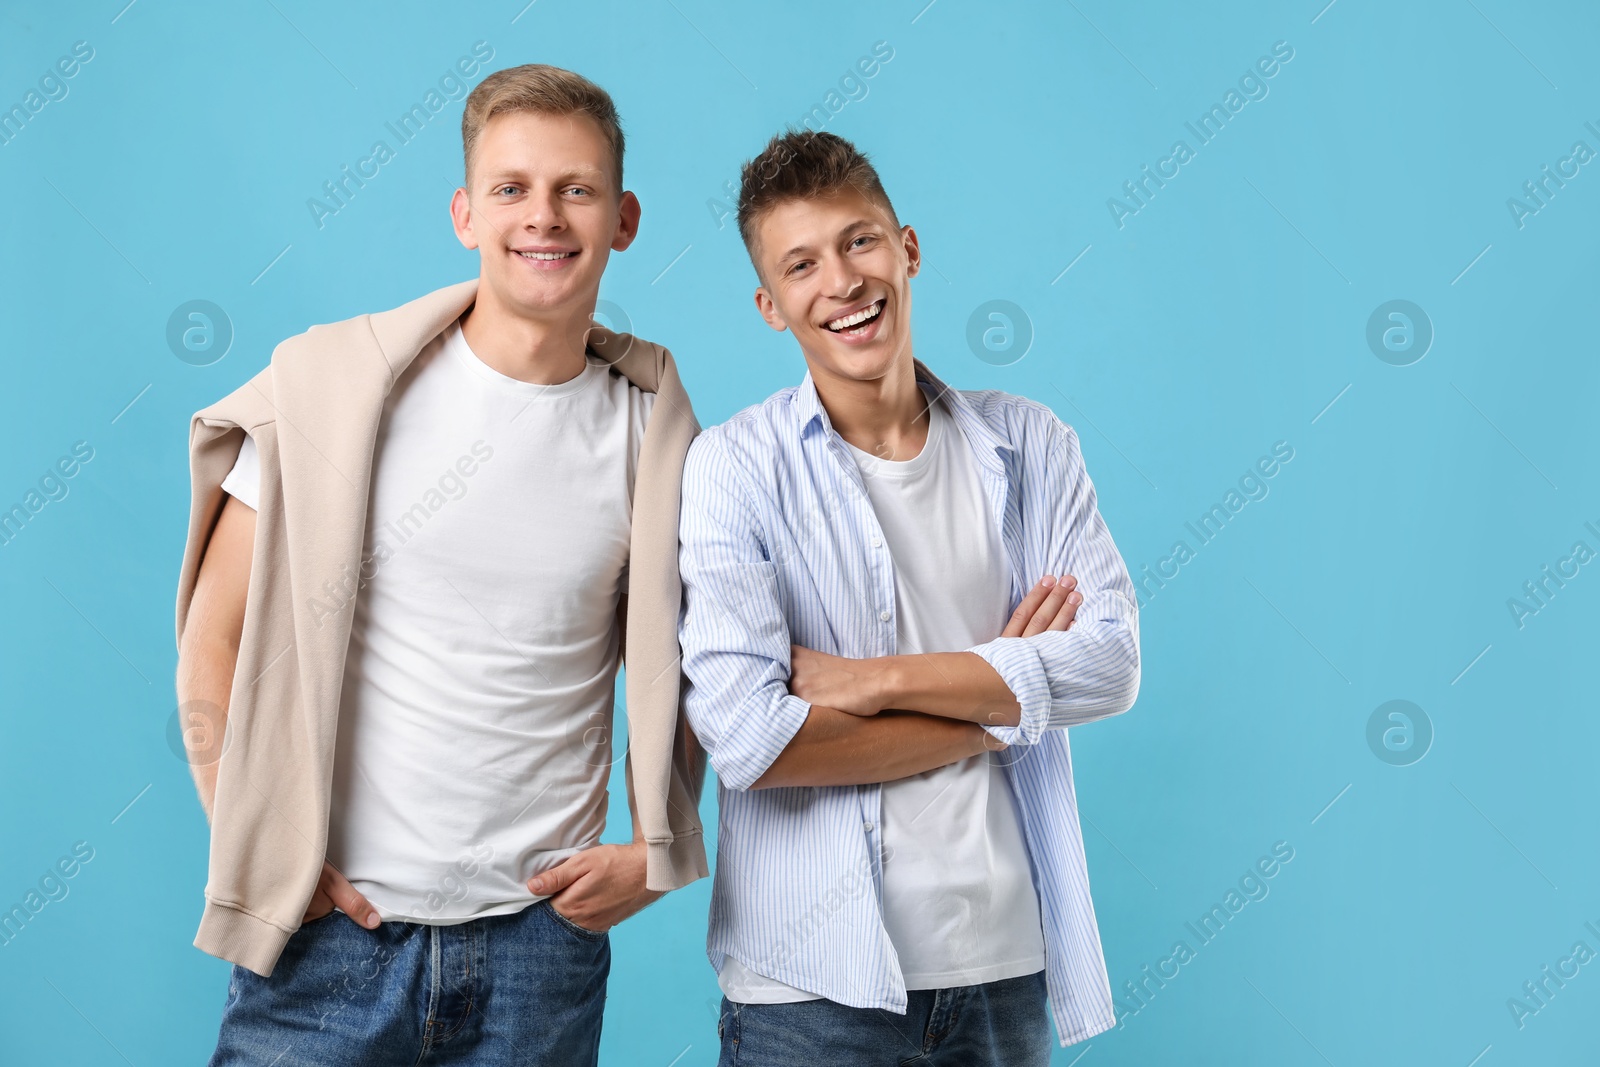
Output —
(545, 213)
(837, 271)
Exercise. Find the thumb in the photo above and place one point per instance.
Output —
(558, 877)
(348, 897)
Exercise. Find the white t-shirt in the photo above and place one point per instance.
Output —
(958, 897)
(473, 741)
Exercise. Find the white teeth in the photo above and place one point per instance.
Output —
(546, 255)
(866, 313)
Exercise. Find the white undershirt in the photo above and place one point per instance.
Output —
(958, 897)
(473, 745)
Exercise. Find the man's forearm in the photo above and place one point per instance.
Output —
(209, 647)
(833, 747)
(955, 685)
(204, 684)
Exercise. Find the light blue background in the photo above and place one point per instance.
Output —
(1223, 317)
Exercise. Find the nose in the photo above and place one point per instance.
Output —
(542, 212)
(841, 278)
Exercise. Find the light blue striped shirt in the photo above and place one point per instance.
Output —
(780, 545)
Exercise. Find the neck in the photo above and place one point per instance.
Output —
(886, 417)
(542, 351)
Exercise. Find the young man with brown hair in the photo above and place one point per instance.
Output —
(858, 644)
(417, 540)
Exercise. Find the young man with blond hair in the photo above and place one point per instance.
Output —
(900, 873)
(417, 542)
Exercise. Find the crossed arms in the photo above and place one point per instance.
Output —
(773, 714)
(852, 737)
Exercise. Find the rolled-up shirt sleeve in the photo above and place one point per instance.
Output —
(732, 628)
(1091, 671)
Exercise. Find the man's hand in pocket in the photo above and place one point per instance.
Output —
(334, 890)
(598, 887)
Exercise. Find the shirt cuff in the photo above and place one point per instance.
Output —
(1017, 662)
(746, 750)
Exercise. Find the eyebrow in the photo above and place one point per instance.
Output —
(586, 171)
(805, 249)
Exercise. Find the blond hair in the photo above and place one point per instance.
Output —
(545, 90)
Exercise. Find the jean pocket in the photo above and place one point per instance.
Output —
(581, 931)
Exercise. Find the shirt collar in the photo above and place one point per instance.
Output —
(808, 409)
(991, 449)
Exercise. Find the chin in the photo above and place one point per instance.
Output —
(540, 298)
(859, 366)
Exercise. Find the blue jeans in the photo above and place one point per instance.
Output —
(997, 1024)
(526, 989)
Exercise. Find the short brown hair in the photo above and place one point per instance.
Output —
(803, 165)
(546, 90)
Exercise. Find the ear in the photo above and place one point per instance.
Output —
(461, 219)
(908, 238)
(769, 310)
(628, 212)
